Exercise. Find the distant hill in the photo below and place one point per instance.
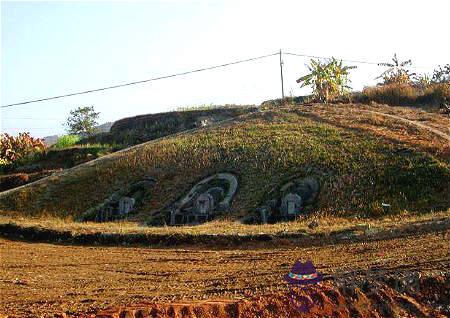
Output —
(362, 160)
(105, 127)
(50, 140)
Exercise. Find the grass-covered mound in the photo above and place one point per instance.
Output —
(65, 158)
(358, 169)
(135, 130)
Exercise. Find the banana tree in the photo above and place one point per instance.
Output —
(397, 72)
(328, 79)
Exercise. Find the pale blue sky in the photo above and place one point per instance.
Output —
(52, 48)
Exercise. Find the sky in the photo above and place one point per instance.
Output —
(53, 48)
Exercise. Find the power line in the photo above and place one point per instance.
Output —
(139, 82)
(42, 128)
(10, 118)
(350, 61)
(323, 57)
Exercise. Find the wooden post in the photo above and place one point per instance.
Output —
(282, 83)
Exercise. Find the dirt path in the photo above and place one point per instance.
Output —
(412, 122)
(44, 279)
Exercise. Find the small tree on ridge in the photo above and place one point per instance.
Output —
(82, 121)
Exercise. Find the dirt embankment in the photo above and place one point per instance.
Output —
(429, 297)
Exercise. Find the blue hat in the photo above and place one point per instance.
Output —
(303, 274)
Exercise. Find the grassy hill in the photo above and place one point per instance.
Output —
(361, 158)
(124, 133)
(135, 130)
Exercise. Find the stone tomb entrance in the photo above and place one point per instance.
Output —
(206, 198)
(289, 201)
(121, 203)
(126, 205)
(291, 204)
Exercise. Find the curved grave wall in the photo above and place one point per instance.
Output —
(121, 203)
(208, 197)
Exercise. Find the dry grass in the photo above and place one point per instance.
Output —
(360, 117)
(430, 118)
(392, 94)
(225, 227)
(406, 94)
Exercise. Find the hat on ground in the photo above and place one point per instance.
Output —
(303, 274)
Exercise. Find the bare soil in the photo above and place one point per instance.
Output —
(46, 280)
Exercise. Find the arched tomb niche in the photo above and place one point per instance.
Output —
(204, 200)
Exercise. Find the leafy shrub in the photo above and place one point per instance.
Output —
(422, 81)
(4, 165)
(13, 149)
(401, 87)
(441, 74)
(328, 79)
(289, 100)
(66, 141)
(397, 72)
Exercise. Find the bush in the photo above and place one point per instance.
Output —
(391, 94)
(406, 94)
(435, 93)
(397, 72)
(441, 74)
(22, 147)
(4, 165)
(328, 79)
(66, 141)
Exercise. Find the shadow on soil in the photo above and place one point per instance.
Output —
(14, 231)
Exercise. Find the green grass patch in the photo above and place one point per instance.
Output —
(66, 141)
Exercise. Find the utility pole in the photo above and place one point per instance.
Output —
(281, 70)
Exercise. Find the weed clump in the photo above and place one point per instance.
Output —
(406, 94)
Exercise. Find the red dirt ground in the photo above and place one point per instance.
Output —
(47, 280)
(381, 300)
